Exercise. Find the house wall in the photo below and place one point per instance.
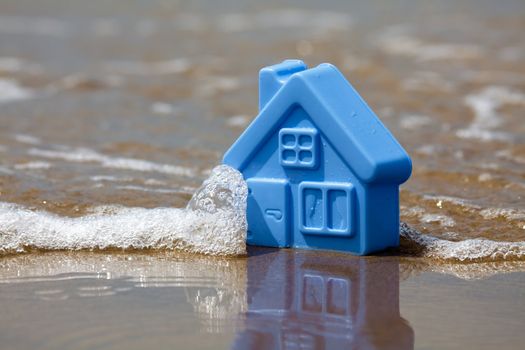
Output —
(331, 168)
(382, 220)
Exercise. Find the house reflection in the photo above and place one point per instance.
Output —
(306, 300)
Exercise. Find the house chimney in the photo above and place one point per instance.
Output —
(273, 77)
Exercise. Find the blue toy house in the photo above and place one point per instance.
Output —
(322, 171)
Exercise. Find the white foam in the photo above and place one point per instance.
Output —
(155, 182)
(10, 90)
(484, 105)
(473, 271)
(32, 165)
(174, 66)
(238, 121)
(469, 250)
(156, 190)
(427, 81)
(28, 139)
(508, 155)
(397, 41)
(507, 213)
(5, 170)
(214, 222)
(110, 178)
(88, 155)
(218, 84)
(414, 121)
(162, 108)
(443, 220)
(15, 65)
(318, 22)
(10, 64)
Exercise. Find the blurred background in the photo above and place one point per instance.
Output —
(132, 102)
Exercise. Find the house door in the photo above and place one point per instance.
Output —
(268, 212)
(326, 208)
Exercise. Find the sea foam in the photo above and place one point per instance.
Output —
(469, 250)
(10, 91)
(214, 223)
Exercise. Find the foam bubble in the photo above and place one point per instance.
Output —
(319, 22)
(414, 122)
(10, 90)
(186, 190)
(473, 271)
(28, 139)
(238, 121)
(397, 41)
(214, 223)
(162, 108)
(174, 66)
(469, 250)
(110, 178)
(484, 105)
(443, 220)
(218, 84)
(32, 165)
(85, 155)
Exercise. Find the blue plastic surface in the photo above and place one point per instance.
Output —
(322, 170)
(307, 301)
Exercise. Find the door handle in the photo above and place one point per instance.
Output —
(274, 213)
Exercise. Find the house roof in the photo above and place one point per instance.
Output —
(338, 111)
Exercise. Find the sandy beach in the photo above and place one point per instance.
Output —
(113, 114)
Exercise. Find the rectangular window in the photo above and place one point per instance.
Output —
(326, 208)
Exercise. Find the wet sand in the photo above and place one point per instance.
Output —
(270, 299)
(132, 104)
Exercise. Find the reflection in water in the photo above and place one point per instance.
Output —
(214, 287)
(273, 298)
(304, 300)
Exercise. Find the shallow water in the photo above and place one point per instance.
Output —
(213, 222)
(134, 104)
(271, 299)
(130, 106)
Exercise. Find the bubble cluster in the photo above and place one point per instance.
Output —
(214, 223)
(469, 250)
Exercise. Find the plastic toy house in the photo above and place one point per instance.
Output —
(322, 171)
(306, 301)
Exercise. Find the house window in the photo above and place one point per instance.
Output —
(298, 147)
(326, 208)
(324, 294)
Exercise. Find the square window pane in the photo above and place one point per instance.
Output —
(288, 140)
(289, 156)
(305, 141)
(305, 156)
(313, 208)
